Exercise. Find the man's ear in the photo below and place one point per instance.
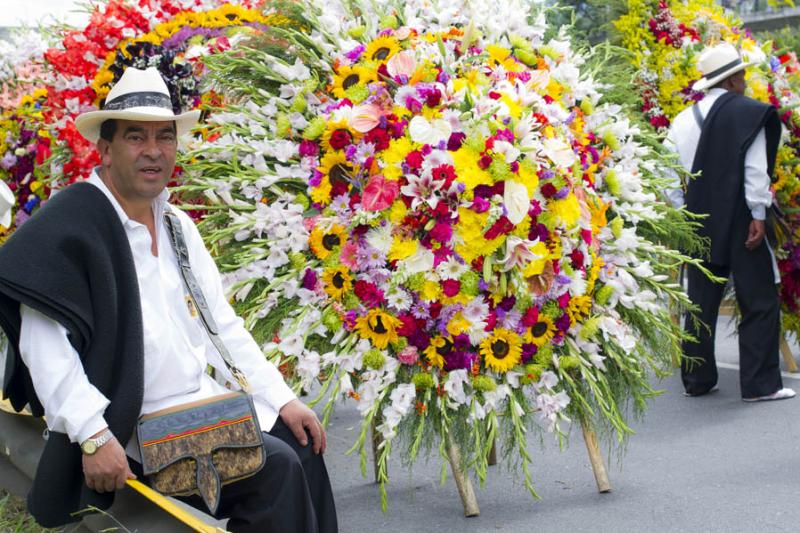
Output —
(103, 148)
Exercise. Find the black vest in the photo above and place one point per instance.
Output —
(730, 127)
(72, 262)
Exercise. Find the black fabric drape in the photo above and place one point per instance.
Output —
(72, 262)
(731, 126)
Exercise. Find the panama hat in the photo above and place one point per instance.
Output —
(717, 63)
(138, 95)
(7, 201)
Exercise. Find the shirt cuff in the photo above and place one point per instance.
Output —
(759, 212)
(92, 426)
(278, 394)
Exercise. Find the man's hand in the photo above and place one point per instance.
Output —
(298, 418)
(755, 234)
(107, 469)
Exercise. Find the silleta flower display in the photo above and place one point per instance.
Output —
(428, 209)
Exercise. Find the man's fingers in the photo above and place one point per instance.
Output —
(324, 438)
(316, 433)
(299, 432)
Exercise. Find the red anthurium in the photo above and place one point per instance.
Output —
(379, 193)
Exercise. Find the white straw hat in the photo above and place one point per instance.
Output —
(717, 63)
(7, 201)
(138, 95)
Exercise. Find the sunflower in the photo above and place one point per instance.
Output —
(578, 308)
(502, 350)
(379, 327)
(340, 133)
(541, 332)
(337, 282)
(347, 76)
(382, 48)
(435, 351)
(324, 241)
(336, 167)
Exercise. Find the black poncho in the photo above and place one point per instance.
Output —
(72, 262)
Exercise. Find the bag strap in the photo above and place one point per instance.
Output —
(196, 294)
(698, 117)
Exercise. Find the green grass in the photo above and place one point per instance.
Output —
(14, 518)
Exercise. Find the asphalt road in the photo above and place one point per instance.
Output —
(709, 464)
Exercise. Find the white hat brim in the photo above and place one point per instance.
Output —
(5, 221)
(88, 124)
(702, 84)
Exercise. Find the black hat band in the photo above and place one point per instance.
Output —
(140, 99)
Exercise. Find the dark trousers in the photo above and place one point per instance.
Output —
(291, 494)
(759, 330)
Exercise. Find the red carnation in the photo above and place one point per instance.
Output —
(548, 190)
(414, 160)
(451, 287)
(340, 139)
(368, 293)
(501, 227)
(379, 137)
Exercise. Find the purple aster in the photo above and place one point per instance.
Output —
(369, 257)
(8, 161)
(420, 310)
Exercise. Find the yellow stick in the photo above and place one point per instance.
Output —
(176, 511)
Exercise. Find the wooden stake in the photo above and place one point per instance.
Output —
(463, 481)
(492, 459)
(788, 357)
(596, 458)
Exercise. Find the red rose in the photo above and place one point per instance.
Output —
(414, 160)
(379, 137)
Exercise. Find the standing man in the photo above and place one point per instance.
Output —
(732, 141)
(100, 332)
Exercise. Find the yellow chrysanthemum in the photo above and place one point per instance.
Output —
(382, 48)
(567, 211)
(402, 249)
(342, 127)
(321, 194)
(397, 151)
(502, 56)
(337, 282)
(471, 228)
(502, 350)
(397, 212)
(430, 291)
(323, 241)
(578, 308)
(434, 351)
(465, 161)
(347, 76)
(379, 327)
(541, 332)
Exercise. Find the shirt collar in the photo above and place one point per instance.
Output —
(159, 204)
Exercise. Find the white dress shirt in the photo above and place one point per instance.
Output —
(177, 349)
(683, 136)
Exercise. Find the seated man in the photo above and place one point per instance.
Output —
(92, 301)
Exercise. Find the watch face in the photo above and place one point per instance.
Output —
(89, 447)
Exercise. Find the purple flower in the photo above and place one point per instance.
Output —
(457, 359)
(528, 351)
(8, 161)
(562, 193)
(562, 322)
(309, 279)
(355, 53)
(369, 257)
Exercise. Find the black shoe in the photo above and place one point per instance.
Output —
(715, 388)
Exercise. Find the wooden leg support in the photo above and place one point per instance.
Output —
(596, 458)
(463, 481)
(492, 459)
(788, 358)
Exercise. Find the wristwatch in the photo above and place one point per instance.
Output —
(90, 446)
